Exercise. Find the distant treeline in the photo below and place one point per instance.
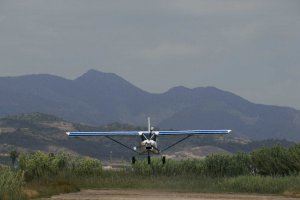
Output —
(248, 147)
(232, 146)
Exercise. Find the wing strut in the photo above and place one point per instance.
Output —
(186, 137)
(121, 144)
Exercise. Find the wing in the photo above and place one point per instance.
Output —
(105, 133)
(194, 132)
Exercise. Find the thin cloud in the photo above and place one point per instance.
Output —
(196, 7)
(166, 49)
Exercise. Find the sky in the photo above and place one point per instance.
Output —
(251, 48)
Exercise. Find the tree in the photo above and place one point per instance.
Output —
(13, 156)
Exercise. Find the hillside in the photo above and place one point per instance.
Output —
(98, 98)
(37, 131)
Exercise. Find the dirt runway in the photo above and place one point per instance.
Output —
(150, 195)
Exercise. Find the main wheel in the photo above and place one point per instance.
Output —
(163, 159)
(133, 160)
(149, 160)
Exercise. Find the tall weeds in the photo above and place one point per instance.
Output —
(274, 161)
(11, 183)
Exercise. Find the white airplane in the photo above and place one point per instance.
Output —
(148, 143)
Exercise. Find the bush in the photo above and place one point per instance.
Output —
(86, 166)
(294, 161)
(275, 161)
(41, 165)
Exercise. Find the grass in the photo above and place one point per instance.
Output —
(260, 184)
(241, 184)
(13, 186)
(288, 185)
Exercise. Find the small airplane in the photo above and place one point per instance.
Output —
(148, 143)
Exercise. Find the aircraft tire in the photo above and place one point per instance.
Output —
(163, 159)
(133, 160)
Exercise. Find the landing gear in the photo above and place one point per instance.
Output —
(133, 160)
(163, 159)
(149, 159)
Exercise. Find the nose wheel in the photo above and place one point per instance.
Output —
(133, 160)
(163, 159)
(149, 158)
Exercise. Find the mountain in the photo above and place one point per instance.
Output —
(98, 98)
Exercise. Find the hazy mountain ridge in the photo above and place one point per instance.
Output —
(100, 98)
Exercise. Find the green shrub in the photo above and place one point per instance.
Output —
(275, 161)
(86, 166)
(41, 165)
(294, 161)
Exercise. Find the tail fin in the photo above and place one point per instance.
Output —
(149, 125)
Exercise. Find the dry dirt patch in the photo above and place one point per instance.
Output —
(150, 195)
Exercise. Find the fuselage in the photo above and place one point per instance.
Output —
(149, 143)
